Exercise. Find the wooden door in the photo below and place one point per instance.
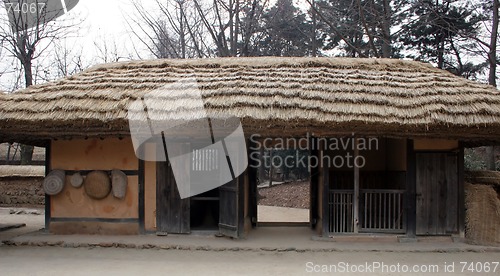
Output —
(229, 212)
(437, 193)
(173, 213)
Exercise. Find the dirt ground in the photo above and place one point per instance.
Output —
(33, 218)
(118, 261)
(63, 260)
(291, 195)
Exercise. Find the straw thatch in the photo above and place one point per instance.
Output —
(483, 177)
(483, 214)
(274, 96)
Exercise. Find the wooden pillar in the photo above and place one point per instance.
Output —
(48, 161)
(355, 207)
(411, 190)
(141, 180)
(461, 192)
(252, 180)
(262, 162)
(326, 189)
(271, 168)
(314, 208)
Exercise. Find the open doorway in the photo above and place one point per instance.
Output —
(283, 190)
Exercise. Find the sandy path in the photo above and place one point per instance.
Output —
(101, 261)
(282, 214)
(34, 222)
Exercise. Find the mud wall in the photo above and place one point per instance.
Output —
(72, 210)
(22, 191)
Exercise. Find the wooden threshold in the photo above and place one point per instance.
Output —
(282, 224)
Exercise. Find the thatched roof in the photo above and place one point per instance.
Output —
(274, 96)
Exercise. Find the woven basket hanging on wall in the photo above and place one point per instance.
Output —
(54, 182)
(76, 180)
(97, 184)
(119, 183)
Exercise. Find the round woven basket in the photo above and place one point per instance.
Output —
(76, 180)
(119, 183)
(54, 182)
(97, 184)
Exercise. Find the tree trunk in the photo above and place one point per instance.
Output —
(490, 158)
(26, 154)
(386, 30)
(314, 49)
(492, 80)
(26, 150)
(492, 56)
(7, 158)
(440, 53)
(182, 35)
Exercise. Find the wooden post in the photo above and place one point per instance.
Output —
(271, 167)
(314, 188)
(141, 178)
(411, 190)
(48, 161)
(356, 189)
(325, 193)
(261, 167)
(252, 181)
(461, 192)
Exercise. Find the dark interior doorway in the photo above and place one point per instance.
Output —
(205, 211)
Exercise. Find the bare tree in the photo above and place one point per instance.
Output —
(29, 29)
(67, 61)
(231, 24)
(198, 28)
(107, 50)
(173, 31)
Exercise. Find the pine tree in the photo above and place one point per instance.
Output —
(286, 31)
(435, 33)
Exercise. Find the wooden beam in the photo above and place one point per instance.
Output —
(411, 191)
(461, 192)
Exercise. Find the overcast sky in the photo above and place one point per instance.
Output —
(104, 20)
